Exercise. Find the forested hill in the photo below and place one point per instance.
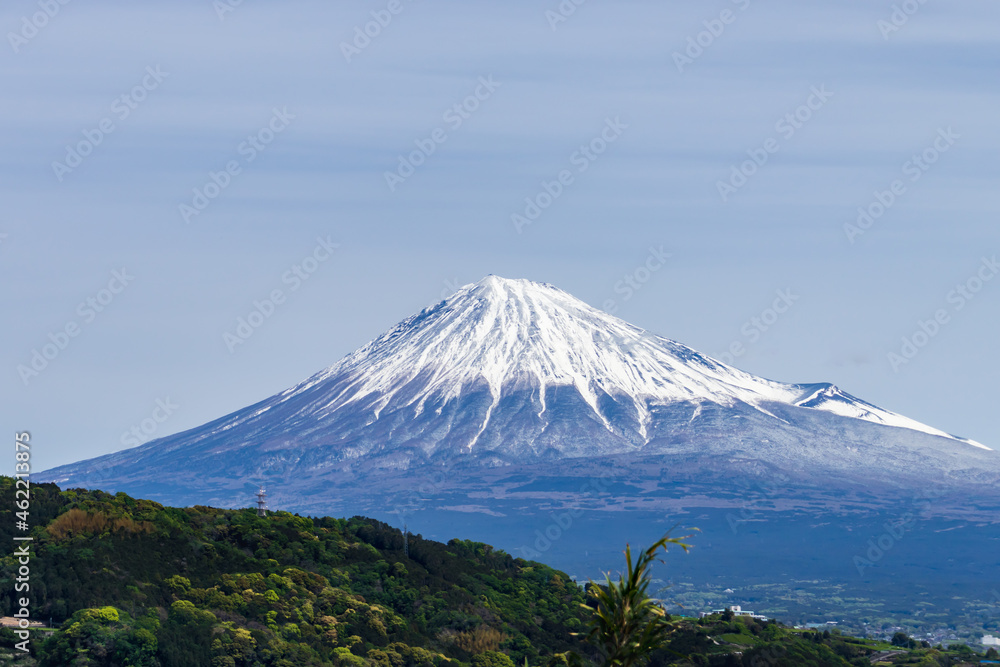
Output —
(132, 583)
(203, 586)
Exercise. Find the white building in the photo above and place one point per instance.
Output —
(990, 640)
(737, 611)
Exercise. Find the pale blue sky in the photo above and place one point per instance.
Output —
(162, 337)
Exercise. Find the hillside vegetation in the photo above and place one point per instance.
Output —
(203, 586)
(131, 583)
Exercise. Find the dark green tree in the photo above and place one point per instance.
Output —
(186, 636)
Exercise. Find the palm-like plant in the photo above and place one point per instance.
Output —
(627, 624)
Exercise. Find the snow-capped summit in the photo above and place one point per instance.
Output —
(507, 372)
(508, 335)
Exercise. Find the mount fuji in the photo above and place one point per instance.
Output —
(512, 373)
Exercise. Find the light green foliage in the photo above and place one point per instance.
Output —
(103, 636)
(492, 659)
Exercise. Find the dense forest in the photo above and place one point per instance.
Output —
(130, 582)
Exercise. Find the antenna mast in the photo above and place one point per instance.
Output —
(406, 543)
(262, 502)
